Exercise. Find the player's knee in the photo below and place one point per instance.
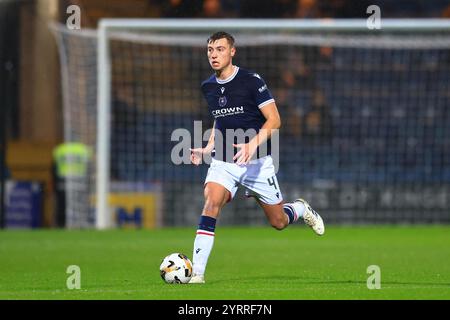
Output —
(278, 224)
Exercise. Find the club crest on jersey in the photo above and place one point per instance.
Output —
(222, 101)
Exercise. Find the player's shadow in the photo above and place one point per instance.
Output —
(311, 281)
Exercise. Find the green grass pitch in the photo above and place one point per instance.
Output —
(255, 263)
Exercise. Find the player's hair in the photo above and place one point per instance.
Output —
(221, 35)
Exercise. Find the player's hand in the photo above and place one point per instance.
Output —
(245, 154)
(197, 154)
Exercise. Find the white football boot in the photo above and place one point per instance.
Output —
(312, 218)
(197, 279)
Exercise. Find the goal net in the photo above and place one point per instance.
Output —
(365, 134)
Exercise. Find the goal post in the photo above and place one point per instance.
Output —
(103, 219)
(374, 176)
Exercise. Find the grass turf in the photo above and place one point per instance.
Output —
(246, 263)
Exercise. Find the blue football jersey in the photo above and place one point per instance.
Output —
(235, 103)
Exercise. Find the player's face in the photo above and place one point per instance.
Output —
(220, 54)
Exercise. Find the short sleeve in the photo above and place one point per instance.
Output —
(260, 91)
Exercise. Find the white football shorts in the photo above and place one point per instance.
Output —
(258, 178)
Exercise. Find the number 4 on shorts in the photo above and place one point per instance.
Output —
(272, 182)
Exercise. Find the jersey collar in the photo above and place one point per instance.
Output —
(236, 69)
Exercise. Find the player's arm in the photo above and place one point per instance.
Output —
(210, 146)
(273, 122)
(197, 153)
